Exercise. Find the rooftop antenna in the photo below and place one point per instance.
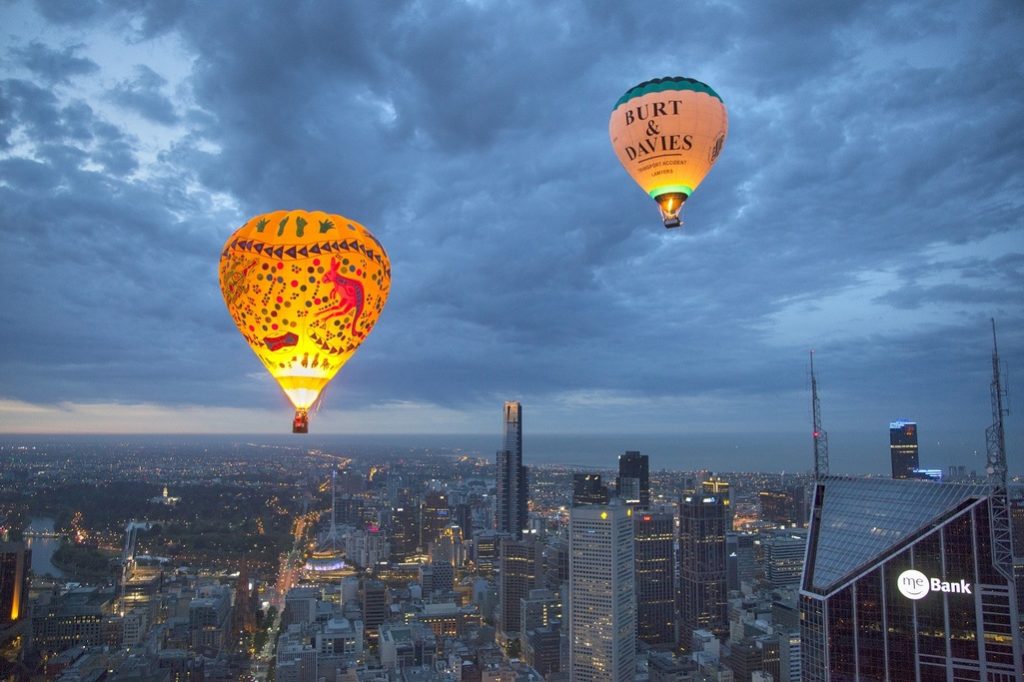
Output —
(999, 503)
(334, 498)
(820, 436)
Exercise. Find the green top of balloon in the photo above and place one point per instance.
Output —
(670, 83)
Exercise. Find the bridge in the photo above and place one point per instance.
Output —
(33, 533)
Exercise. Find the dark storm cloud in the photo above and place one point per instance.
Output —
(143, 95)
(472, 139)
(54, 66)
(75, 12)
(98, 272)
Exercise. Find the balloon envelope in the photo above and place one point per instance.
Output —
(304, 288)
(667, 133)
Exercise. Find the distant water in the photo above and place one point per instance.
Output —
(43, 548)
(852, 453)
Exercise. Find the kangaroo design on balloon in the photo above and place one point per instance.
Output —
(349, 293)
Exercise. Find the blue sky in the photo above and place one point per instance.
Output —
(868, 204)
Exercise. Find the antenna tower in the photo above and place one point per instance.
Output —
(334, 515)
(999, 503)
(820, 437)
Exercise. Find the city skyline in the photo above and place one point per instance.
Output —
(877, 225)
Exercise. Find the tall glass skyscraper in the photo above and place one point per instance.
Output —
(633, 484)
(511, 475)
(903, 448)
(520, 568)
(655, 534)
(602, 597)
(704, 518)
(15, 561)
(900, 583)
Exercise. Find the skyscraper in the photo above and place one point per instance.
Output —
(903, 582)
(654, 535)
(602, 598)
(784, 557)
(520, 569)
(784, 507)
(15, 560)
(588, 489)
(511, 475)
(704, 518)
(903, 448)
(633, 483)
(375, 606)
(434, 517)
(404, 530)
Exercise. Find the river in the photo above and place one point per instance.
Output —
(43, 548)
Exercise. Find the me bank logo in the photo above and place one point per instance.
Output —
(916, 585)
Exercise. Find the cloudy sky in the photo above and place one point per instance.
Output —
(868, 204)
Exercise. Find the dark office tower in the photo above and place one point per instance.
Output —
(633, 483)
(512, 477)
(903, 448)
(783, 507)
(375, 606)
(463, 516)
(588, 489)
(519, 571)
(654, 547)
(15, 560)
(704, 518)
(404, 530)
(242, 612)
(756, 654)
(434, 517)
(555, 557)
(741, 563)
(903, 582)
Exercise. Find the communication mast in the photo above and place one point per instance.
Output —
(820, 437)
(999, 503)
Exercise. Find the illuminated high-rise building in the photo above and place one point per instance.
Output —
(903, 448)
(633, 483)
(904, 581)
(435, 516)
(784, 557)
(602, 593)
(15, 560)
(784, 507)
(654, 547)
(512, 494)
(375, 606)
(588, 489)
(520, 570)
(704, 517)
(403, 530)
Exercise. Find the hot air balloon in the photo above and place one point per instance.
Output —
(668, 132)
(305, 288)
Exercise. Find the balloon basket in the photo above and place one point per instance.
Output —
(301, 422)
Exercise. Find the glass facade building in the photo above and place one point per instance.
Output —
(512, 493)
(900, 584)
(903, 448)
(704, 519)
(654, 546)
(588, 489)
(633, 484)
(15, 561)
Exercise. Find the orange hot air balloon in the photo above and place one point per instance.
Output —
(305, 288)
(668, 132)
